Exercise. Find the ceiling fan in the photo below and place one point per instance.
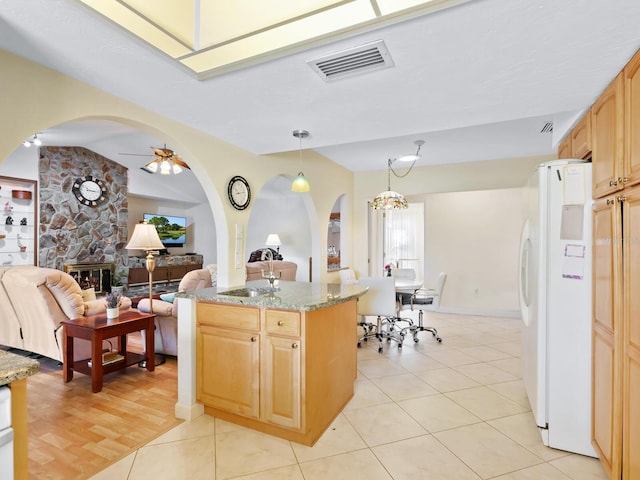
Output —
(165, 163)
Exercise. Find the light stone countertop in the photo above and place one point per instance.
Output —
(16, 367)
(289, 295)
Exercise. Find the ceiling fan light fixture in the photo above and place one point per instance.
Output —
(165, 167)
(36, 141)
(176, 169)
(26, 143)
(152, 166)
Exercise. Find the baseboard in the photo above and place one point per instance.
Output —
(189, 412)
(481, 313)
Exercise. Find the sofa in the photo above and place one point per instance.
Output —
(286, 269)
(33, 303)
(166, 311)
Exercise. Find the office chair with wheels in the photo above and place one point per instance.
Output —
(379, 302)
(421, 299)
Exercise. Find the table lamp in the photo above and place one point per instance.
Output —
(145, 237)
(273, 240)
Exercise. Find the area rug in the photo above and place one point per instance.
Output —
(74, 433)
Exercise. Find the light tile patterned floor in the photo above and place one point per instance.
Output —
(456, 410)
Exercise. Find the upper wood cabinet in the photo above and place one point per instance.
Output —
(607, 122)
(564, 149)
(581, 138)
(632, 121)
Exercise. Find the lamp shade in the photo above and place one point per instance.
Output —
(145, 237)
(388, 200)
(300, 184)
(273, 240)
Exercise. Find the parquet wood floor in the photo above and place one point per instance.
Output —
(74, 433)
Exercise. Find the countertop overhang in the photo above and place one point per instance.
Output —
(16, 367)
(289, 295)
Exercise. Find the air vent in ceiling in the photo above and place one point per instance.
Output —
(352, 61)
(548, 128)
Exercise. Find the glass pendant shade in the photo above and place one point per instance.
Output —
(300, 184)
(389, 200)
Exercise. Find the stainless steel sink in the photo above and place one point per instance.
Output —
(249, 292)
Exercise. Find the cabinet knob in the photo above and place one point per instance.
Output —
(280, 323)
(613, 183)
(610, 201)
(294, 345)
(623, 179)
(621, 198)
(254, 339)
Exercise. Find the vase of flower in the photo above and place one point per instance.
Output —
(113, 304)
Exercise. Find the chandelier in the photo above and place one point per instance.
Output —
(393, 200)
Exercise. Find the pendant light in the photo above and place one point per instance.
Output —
(393, 200)
(300, 183)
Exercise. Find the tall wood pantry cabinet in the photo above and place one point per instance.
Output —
(615, 125)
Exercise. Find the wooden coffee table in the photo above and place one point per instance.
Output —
(97, 328)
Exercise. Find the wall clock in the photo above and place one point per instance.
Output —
(239, 192)
(89, 191)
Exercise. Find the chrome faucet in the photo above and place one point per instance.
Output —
(271, 276)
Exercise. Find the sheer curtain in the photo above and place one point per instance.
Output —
(403, 238)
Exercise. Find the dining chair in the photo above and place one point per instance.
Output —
(422, 299)
(348, 276)
(379, 302)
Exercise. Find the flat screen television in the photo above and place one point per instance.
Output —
(172, 230)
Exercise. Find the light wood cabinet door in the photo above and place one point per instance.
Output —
(581, 138)
(564, 149)
(631, 367)
(607, 122)
(632, 121)
(282, 376)
(228, 369)
(606, 329)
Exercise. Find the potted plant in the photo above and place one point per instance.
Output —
(117, 282)
(113, 304)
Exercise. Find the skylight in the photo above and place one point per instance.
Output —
(211, 37)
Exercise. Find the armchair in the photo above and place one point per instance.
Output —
(33, 302)
(166, 334)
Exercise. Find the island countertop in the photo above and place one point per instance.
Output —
(289, 295)
(16, 367)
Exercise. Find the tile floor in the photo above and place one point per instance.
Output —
(456, 410)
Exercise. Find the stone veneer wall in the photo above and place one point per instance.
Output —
(74, 233)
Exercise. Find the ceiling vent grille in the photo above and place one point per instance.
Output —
(353, 61)
(548, 128)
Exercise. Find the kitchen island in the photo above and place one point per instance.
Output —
(14, 370)
(281, 361)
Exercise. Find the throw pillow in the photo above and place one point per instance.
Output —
(167, 297)
(88, 295)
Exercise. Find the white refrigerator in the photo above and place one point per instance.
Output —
(555, 300)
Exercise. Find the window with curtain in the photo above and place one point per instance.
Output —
(403, 238)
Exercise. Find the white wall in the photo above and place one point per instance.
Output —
(276, 209)
(474, 237)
